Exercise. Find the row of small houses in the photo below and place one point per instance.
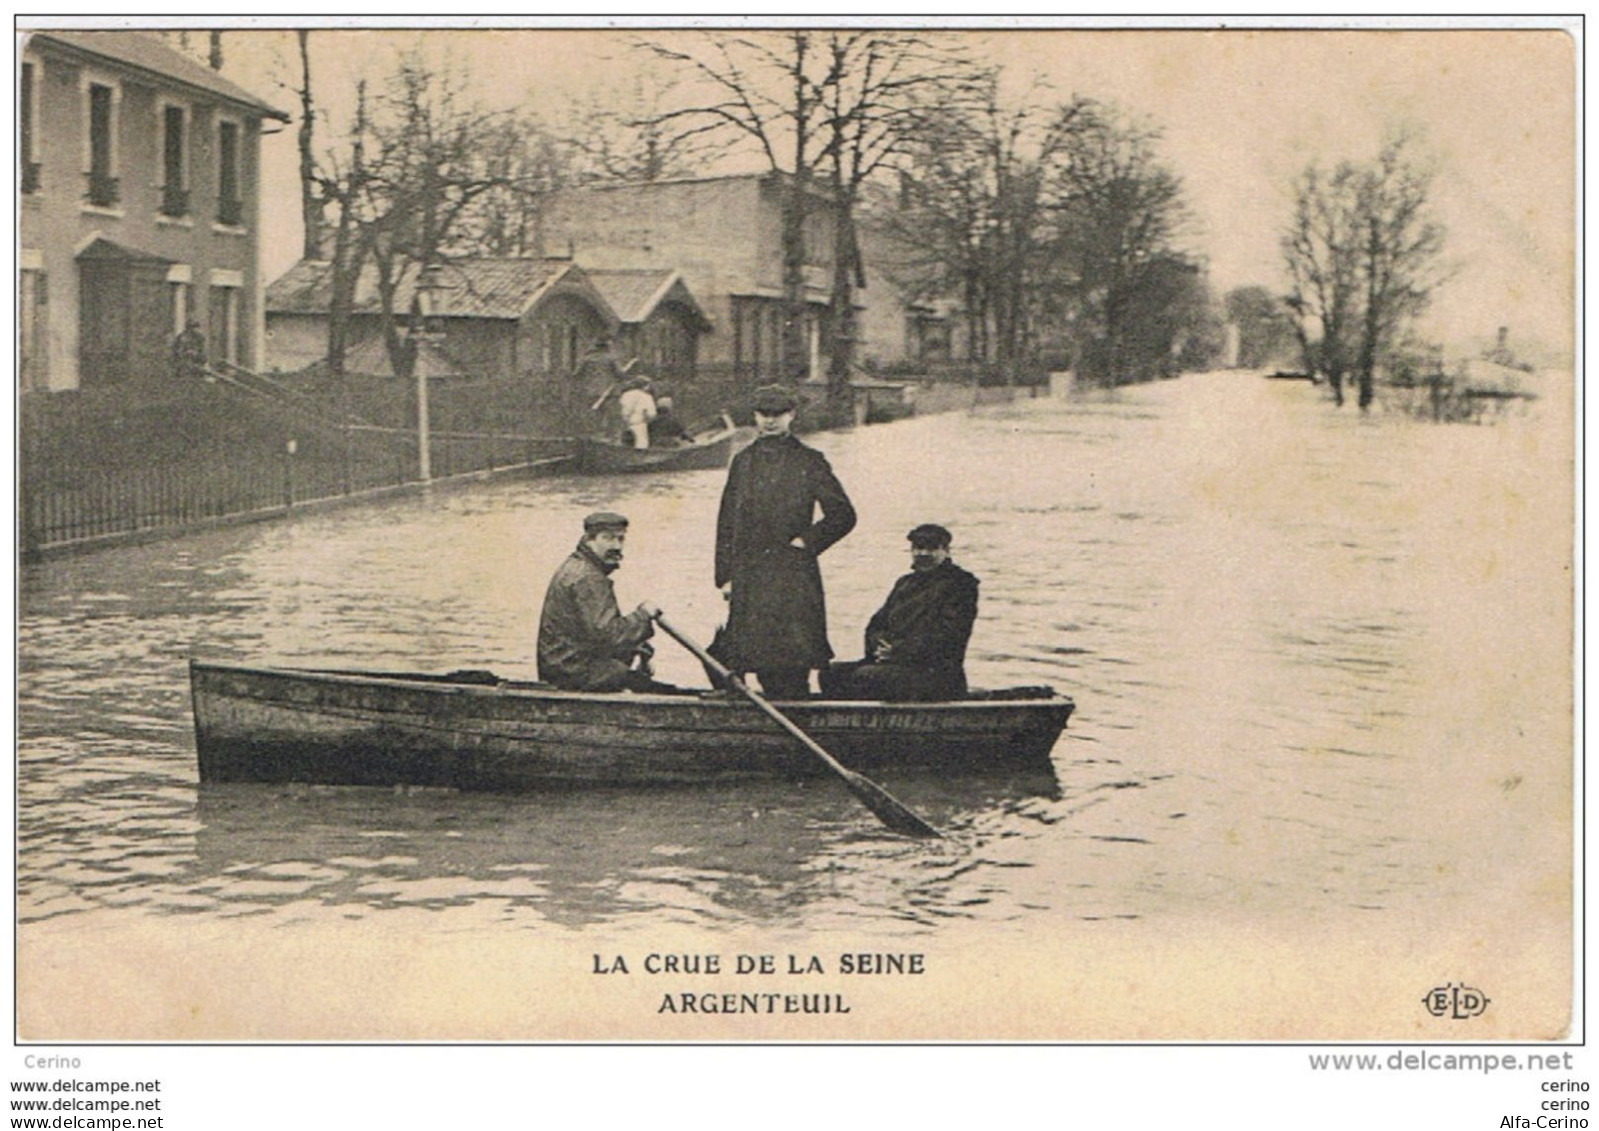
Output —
(686, 276)
(495, 317)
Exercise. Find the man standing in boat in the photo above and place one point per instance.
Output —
(585, 643)
(638, 410)
(768, 540)
(598, 381)
(916, 643)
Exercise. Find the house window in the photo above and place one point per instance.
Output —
(230, 201)
(223, 338)
(180, 296)
(33, 312)
(27, 113)
(104, 188)
(816, 239)
(174, 161)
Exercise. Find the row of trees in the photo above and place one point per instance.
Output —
(1052, 225)
(1056, 225)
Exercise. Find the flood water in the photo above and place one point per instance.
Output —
(1311, 653)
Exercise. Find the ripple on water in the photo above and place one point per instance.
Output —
(1253, 667)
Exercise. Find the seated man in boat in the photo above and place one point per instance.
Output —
(638, 409)
(585, 643)
(666, 430)
(916, 643)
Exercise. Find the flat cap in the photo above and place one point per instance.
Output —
(603, 520)
(771, 400)
(929, 536)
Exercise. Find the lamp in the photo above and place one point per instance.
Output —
(425, 326)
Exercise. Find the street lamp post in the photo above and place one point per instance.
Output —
(424, 328)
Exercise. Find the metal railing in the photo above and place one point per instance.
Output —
(244, 447)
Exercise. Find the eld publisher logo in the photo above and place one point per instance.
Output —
(1457, 1002)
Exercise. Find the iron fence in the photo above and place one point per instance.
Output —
(105, 471)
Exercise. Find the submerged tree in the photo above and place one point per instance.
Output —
(972, 219)
(1364, 256)
(1121, 215)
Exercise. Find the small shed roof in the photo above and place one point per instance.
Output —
(637, 294)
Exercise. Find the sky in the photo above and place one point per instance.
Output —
(1242, 111)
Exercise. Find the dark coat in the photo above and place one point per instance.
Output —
(188, 355)
(927, 621)
(585, 643)
(778, 617)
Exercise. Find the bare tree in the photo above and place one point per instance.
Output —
(344, 187)
(881, 90)
(310, 196)
(1400, 253)
(829, 109)
(526, 161)
(429, 160)
(623, 137)
(763, 90)
(1364, 255)
(1321, 252)
(974, 206)
(1121, 213)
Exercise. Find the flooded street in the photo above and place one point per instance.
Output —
(1321, 666)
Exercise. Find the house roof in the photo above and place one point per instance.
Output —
(103, 248)
(637, 294)
(145, 52)
(483, 287)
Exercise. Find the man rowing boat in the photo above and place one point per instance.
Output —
(585, 643)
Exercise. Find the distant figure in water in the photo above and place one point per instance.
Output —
(666, 430)
(189, 362)
(916, 643)
(585, 643)
(638, 409)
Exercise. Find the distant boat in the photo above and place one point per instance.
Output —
(471, 730)
(708, 449)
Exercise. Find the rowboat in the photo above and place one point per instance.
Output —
(474, 731)
(711, 449)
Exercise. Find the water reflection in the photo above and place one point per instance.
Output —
(1265, 610)
(755, 852)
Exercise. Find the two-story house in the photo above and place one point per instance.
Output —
(139, 173)
(725, 236)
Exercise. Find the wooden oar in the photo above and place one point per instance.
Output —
(867, 792)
